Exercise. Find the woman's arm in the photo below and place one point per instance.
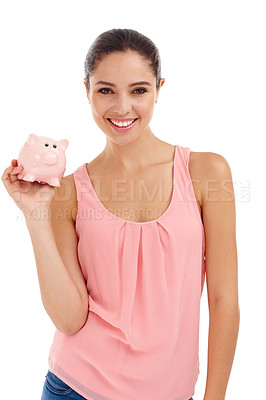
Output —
(218, 207)
(63, 288)
(48, 214)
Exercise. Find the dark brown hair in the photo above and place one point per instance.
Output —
(122, 40)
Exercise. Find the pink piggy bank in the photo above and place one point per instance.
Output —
(43, 159)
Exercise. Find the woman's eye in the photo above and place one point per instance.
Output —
(139, 90)
(143, 90)
(100, 91)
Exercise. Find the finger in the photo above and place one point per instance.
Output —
(16, 170)
(5, 177)
(13, 175)
(6, 173)
(11, 170)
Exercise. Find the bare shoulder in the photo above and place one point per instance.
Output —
(65, 198)
(208, 170)
(208, 163)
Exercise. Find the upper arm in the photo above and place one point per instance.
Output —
(219, 219)
(63, 206)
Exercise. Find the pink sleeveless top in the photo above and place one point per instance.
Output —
(145, 281)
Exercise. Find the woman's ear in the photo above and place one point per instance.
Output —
(158, 90)
(87, 91)
(162, 82)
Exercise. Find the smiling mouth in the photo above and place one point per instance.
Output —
(122, 124)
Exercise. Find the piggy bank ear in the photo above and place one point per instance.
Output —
(64, 143)
(32, 138)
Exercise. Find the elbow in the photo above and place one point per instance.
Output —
(70, 329)
(231, 304)
(74, 326)
(68, 332)
(74, 329)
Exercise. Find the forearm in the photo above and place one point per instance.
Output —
(60, 296)
(223, 331)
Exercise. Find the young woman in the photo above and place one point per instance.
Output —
(123, 245)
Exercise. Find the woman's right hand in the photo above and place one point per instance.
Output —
(29, 196)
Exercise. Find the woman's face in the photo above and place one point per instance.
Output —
(115, 95)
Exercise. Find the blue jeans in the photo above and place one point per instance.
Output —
(55, 389)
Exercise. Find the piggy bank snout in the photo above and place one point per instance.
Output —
(50, 159)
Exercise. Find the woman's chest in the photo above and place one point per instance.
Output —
(144, 197)
(138, 199)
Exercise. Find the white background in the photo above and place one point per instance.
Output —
(213, 60)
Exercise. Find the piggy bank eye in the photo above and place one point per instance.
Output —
(54, 146)
(46, 144)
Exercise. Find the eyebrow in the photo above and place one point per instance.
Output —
(130, 85)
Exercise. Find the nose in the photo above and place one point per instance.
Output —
(122, 105)
(50, 159)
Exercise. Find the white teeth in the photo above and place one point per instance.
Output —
(122, 123)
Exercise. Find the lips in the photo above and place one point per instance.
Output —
(122, 128)
(122, 120)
